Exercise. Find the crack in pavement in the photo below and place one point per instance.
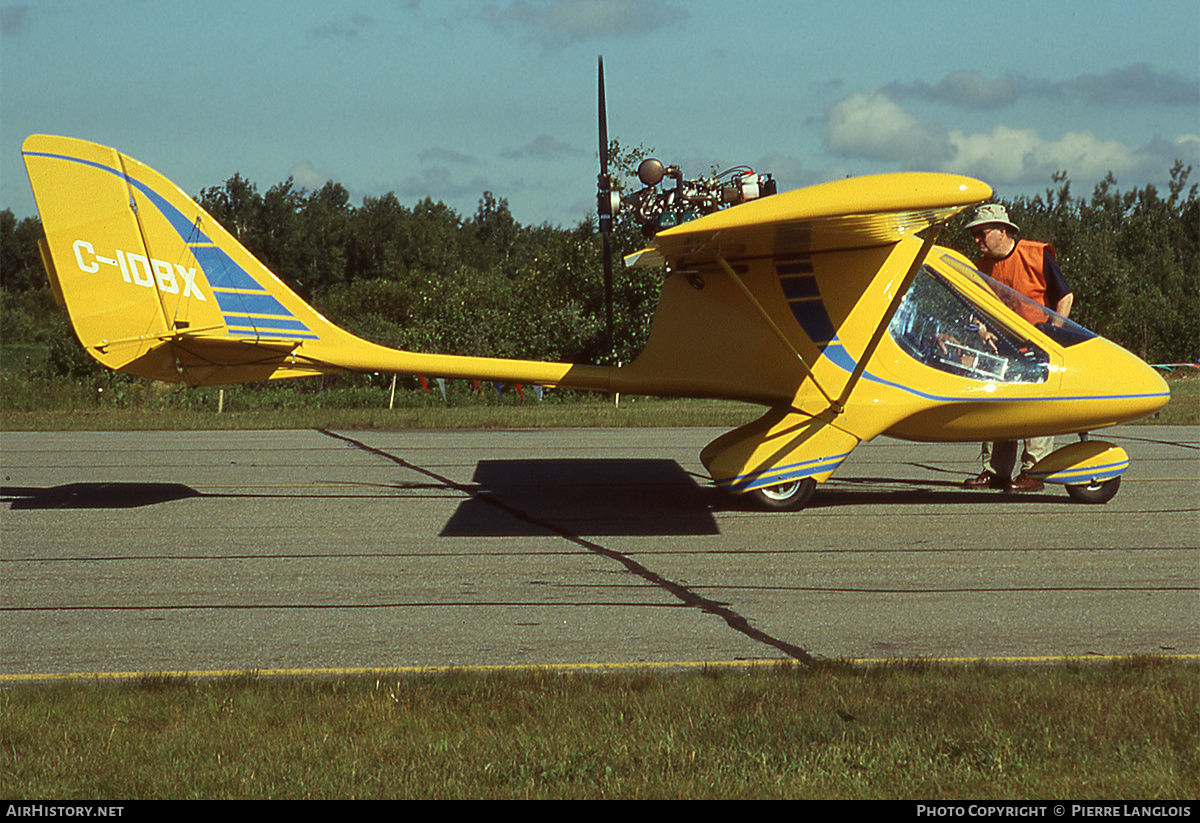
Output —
(689, 598)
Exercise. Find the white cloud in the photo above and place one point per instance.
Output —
(1023, 157)
(873, 127)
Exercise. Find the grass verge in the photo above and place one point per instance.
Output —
(581, 413)
(143, 406)
(902, 730)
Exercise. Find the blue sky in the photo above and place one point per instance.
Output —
(449, 99)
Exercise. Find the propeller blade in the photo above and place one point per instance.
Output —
(604, 209)
(603, 128)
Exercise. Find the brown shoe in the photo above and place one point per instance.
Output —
(985, 480)
(1025, 483)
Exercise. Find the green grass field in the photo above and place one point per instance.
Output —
(914, 730)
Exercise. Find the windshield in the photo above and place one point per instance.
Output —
(1048, 322)
(940, 327)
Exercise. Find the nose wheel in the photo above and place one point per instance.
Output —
(786, 497)
(1095, 492)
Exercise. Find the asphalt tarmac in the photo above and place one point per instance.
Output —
(305, 551)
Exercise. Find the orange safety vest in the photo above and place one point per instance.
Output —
(1022, 270)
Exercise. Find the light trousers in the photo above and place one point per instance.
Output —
(1001, 456)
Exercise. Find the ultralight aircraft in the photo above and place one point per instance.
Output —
(820, 304)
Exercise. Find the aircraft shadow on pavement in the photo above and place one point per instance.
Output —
(583, 497)
(95, 495)
(587, 497)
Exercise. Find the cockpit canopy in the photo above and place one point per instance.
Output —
(941, 326)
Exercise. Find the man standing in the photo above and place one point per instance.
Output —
(1029, 268)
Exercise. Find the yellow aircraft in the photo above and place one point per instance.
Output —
(820, 304)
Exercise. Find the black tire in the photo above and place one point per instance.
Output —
(1095, 492)
(786, 497)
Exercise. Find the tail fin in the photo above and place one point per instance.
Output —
(156, 288)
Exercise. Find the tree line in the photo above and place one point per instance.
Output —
(426, 278)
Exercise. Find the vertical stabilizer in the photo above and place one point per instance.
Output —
(99, 262)
(154, 286)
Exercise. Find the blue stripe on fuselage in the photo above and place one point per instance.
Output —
(837, 354)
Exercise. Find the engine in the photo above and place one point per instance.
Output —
(658, 206)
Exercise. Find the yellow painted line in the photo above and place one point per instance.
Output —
(325, 484)
(567, 667)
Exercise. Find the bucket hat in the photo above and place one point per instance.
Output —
(990, 213)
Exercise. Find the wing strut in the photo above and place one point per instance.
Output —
(778, 333)
(930, 238)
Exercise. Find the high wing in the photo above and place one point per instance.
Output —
(857, 212)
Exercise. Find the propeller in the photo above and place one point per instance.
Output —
(605, 208)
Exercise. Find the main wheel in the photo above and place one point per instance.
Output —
(786, 497)
(1096, 491)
